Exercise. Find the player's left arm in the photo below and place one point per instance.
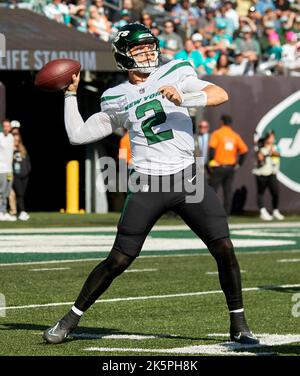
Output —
(192, 92)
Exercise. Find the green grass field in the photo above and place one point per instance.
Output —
(168, 303)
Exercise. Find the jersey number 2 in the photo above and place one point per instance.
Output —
(158, 118)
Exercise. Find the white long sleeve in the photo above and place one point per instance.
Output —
(191, 91)
(79, 132)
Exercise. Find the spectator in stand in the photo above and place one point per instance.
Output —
(264, 41)
(199, 9)
(222, 67)
(290, 61)
(185, 16)
(210, 23)
(254, 16)
(124, 20)
(21, 171)
(197, 39)
(146, 20)
(192, 55)
(6, 175)
(79, 21)
(58, 11)
(263, 5)
(98, 25)
(231, 13)
(99, 4)
(221, 18)
(171, 42)
(249, 47)
(239, 65)
(134, 14)
(210, 61)
(248, 22)
(271, 16)
(155, 8)
(222, 40)
(156, 30)
(282, 4)
(296, 27)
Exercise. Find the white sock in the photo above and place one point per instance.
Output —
(77, 311)
(237, 310)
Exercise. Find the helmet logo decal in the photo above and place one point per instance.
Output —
(121, 34)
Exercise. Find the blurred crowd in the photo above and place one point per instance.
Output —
(221, 37)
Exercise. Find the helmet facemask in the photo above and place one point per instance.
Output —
(144, 61)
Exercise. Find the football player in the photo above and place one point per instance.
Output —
(152, 106)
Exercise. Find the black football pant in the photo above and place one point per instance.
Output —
(141, 211)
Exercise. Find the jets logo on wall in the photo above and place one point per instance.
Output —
(284, 120)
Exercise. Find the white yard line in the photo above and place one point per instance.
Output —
(225, 348)
(140, 270)
(87, 244)
(47, 269)
(147, 256)
(155, 228)
(150, 297)
(289, 260)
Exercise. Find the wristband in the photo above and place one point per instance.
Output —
(70, 94)
(194, 99)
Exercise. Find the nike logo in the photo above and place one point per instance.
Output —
(190, 180)
(237, 337)
(51, 331)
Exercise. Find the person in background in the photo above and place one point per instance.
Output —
(222, 67)
(267, 166)
(79, 21)
(210, 61)
(21, 171)
(58, 11)
(12, 199)
(249, 47)
(227, 152)
(6, 176)
(238, 67)
(192, 55)
(203, 139)
(98, 25)
(170, 41)
(197, 39)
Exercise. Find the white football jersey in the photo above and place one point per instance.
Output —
(161, 133)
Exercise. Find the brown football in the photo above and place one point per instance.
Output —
(57, 74)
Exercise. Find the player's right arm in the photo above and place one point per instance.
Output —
(96, 127)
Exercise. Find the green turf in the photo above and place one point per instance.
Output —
(50, 219)
(190, 319)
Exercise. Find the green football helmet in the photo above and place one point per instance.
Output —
(131, 35)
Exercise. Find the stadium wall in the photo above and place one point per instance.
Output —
(258, 104)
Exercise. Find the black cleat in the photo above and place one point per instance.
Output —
(60, 331)
(245, 338)
(239, 330)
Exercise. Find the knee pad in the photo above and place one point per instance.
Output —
(117, 262)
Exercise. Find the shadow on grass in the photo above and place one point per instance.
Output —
(280, 289)
(90, 333)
